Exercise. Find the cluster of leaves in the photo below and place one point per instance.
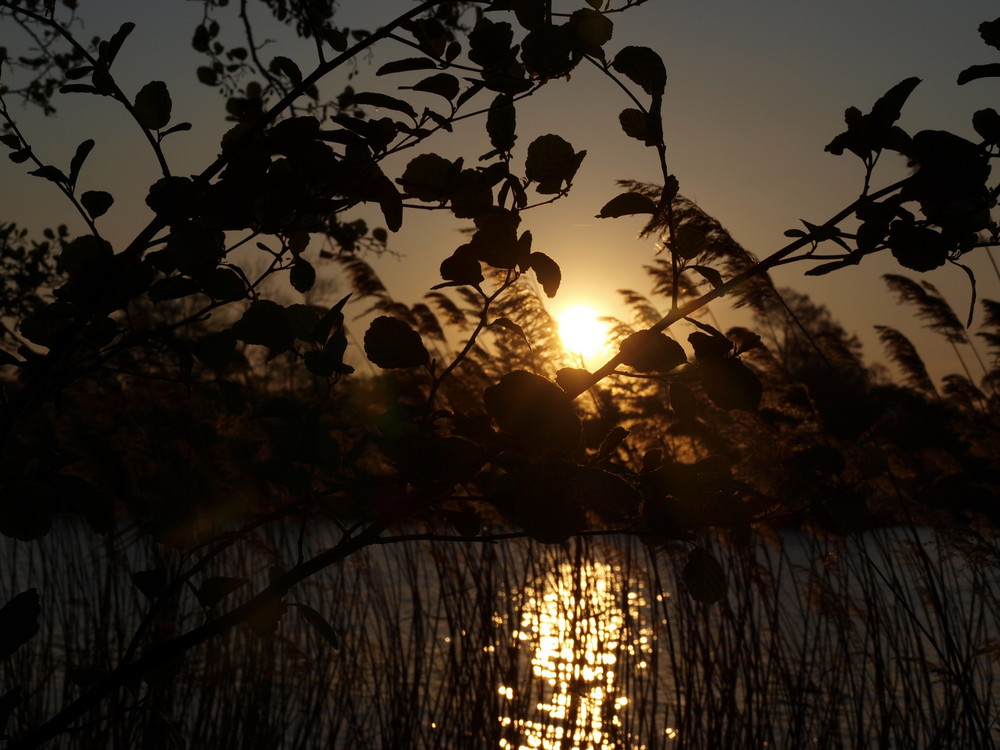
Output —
(949, 186)
(46, 65)
(29, 267)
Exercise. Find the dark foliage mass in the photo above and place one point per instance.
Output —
(168, 383)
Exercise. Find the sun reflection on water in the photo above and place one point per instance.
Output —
(575, 625)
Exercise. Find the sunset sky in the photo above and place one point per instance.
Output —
(754, 93)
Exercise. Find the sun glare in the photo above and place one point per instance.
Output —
(582, 332)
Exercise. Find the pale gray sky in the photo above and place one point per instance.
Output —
(754, 93)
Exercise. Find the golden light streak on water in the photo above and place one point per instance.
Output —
(575, 627)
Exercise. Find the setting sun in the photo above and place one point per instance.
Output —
(582, 332)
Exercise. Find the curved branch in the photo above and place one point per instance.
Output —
(763, 266)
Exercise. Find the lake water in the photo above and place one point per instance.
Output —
(886, 640)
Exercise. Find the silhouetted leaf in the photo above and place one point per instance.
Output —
(178, 128)
(472, 190)
(824, 268)
(75, 74)
(391, 204)
(548, 51)
(82, 151)
(711, 275)
(635, 123)
(651, 351)
(153, 105)
(319, 623)
(462, 267)
(888, 108)
(490, 43)
(19, 621)
(77, 88)
(551, 162)
(496, 242)
(987, 124)
(591, 27)
(501, 122)
(875, 131)
(710, 347)
(918, 248)
(302, 276)
(336, 38)
(173, 198)
(431, 35)
(428, 177)
(50, 173)
(116, 42)
(975, 72)
(534, 411)
(207, 75)
(643, 67)
(333, 318)
(510, 325)
(627, 204)
(704, 578)
(950, 184)
(410, 63)
(442, 84)
(990, 32)
(373, 99)
(689, 243)
(546, 271)
(287, 68)
(266, 324)
(574, 379)
(96, 202)
(214, 590)
(390, 343)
